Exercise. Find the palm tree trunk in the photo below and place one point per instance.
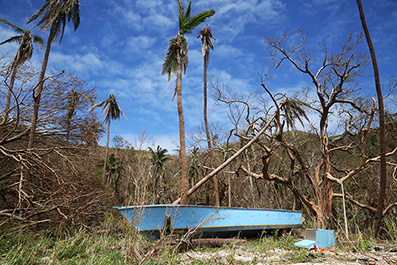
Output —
(382, 133)
(181, 131)
(37, 95)
(207, 132)
(106, 154)
(8, 98)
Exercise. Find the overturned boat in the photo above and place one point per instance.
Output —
(208, 221)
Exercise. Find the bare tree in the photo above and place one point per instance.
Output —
(54, 178)
(311, 171)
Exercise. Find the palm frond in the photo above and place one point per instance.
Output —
(45, 18)
(170, 64)
(87, 97)
(56, 13)
(16, 39)
(76, 15)
(71, 9)
(92, 108)
(15, 28)
(293, 109)
(62, 25)
(110, 109)
(38, 12)
(25, 49)
(196, 20)
(123, 114)
(186, 15)
(206, 42)
(158, 157)
(181, 10)
(38, 40)
(184, 53)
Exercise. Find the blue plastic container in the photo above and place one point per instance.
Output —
(320, 237)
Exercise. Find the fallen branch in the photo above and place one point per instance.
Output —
(238, 153)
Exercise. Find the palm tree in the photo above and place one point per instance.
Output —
(23, 54)
(176, 59)
(54, 13)
(158, 160)
(111, 111)
(382, 133)
(114, 168)
(206, 44)
(73, 100)
(293, 110)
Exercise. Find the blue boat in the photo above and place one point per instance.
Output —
(208, 221)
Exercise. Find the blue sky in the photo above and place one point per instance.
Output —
(121, 44)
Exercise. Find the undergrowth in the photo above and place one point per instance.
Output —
(124, 246)
(77, 248)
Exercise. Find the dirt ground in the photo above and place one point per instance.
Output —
(243, 255)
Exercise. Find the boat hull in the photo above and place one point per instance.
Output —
(209, 221)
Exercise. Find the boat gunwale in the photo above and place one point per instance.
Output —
(201, 206)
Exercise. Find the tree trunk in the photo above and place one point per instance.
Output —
(207, 132)
(8, 98)
(251, 182)
(67, 130)
(181, 130)
(326, 222)
(106, 154)
(382, 133)
(325, 198)
(37, 95)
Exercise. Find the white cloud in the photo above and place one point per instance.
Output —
(85, 64)
(140, 43)
(165, 141)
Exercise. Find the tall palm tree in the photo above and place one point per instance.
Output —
(111, 112)
(206, 44)
(23, 54)
(382, 133)
(158, 160)
(177, 59)
(73, 100)
(53, 14)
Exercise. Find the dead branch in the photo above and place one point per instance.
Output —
(361, 205)
(227, 162)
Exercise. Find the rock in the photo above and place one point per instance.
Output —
(46, 260)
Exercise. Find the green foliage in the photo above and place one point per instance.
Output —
(187, 23)
(390, 224)
(79, 248)
(360, 242)
(84, 247)
(301, 255)
(159, 157)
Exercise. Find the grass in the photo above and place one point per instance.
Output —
(85, 247)
(81, 248)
